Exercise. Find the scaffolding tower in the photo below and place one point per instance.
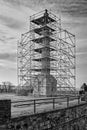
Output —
(46, 57)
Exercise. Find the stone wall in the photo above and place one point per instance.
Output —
(5, 111)
(71, 118)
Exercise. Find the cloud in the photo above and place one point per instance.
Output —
(10, 22)
(2, 40)
(77, 8)
(5, 39)
(8, 56)
(82, 50)
(11, 18)
(8, 71)
(14, 20)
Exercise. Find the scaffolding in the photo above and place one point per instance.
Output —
(47, 49)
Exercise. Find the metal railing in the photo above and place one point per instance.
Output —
(49, 103)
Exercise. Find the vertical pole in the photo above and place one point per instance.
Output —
(75, 61)
(53, 103)
(67, 101)
(34, 106)
(78, 99)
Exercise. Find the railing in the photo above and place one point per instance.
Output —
(47, 103)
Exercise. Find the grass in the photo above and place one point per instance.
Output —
(27, 107)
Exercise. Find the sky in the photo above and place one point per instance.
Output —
(14, 20)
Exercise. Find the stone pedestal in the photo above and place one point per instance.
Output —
(46, 85)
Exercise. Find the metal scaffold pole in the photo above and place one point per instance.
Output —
(46, 57)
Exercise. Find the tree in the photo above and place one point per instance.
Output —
(7, 86)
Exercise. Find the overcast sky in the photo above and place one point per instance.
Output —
(14, 20)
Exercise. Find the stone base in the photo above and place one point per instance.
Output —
(46, 85)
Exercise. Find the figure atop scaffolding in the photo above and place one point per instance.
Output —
(46, 57)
